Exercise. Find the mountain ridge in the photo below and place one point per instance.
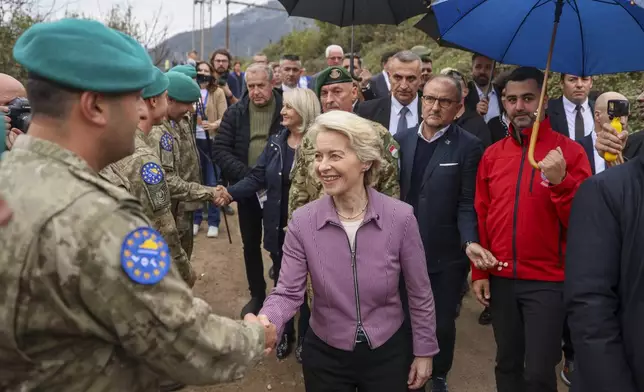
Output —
(251, 30)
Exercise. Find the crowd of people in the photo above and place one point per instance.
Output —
(376, 196)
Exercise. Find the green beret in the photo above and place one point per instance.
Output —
(187, 70)
(332, 75)
(85, 55)
(182, 88)
(157, 87)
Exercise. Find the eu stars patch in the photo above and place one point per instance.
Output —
(151, 173)
(166, 141)
(145, 256)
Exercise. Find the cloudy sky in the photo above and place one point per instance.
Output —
(177, 14)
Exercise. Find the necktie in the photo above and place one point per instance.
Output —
(580, 130)
(402, 122)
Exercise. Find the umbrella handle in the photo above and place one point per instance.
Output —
(544, 89)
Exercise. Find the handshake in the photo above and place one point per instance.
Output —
(220, 196)
(270, 330)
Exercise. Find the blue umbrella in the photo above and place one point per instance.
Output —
(594, 36)
(578, 37)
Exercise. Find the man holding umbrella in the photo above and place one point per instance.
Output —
(523, 223)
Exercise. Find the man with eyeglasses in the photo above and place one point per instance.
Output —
(439, 161)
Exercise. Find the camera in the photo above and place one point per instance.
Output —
(19, 113)
(223, 80)
(618, 108)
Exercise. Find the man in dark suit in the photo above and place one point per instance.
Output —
(402, 109)
(572, 113)
(379, 84)
(487, 104)
(608, 140)
(439, 161)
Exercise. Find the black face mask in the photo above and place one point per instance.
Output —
(204, 79)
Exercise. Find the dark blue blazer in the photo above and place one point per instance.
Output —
(446, 215)
(587, 144)
(267, 174)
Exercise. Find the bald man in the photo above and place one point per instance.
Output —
(600, 118)
(10, 89)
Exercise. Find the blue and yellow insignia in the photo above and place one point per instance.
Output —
(166, 141)
(151, 173)
(145, 256)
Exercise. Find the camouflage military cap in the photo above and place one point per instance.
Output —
(332, 75)
(421, 51)
(187, 70)
(157, 87)
(69, 52)
(182, 88)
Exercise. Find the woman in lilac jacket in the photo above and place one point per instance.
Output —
(355, 243)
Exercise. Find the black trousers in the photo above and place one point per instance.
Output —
(384, 369)
(527, 317)
(446, 287)
(250, 225)
(568, 350)
(305, 312)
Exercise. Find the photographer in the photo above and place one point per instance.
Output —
(220, 62)
(14, 107)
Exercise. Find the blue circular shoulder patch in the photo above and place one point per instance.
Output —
(145, 256)
(166, 141)
(151, 173)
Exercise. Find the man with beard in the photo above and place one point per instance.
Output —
(486, 103)
(90, 298)
(523, 221)
(220, 62)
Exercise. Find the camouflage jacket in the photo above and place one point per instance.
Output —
(305, 187)
(141, 174)
(189, 165)
(166, 144)
(72, 317)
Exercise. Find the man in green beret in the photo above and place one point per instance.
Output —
(187, 70)
(90, 298)
(142, 175)
(336, 91)
(176, 147)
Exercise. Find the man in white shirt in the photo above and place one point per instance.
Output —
(572, 113)
(402, 109)
(290, 70)
(487, 104)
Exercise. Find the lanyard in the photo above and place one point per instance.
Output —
(201, 107)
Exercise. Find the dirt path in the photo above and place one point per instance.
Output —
(222, 283)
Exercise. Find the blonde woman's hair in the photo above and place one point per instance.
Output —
(305, 103)
(364, 140)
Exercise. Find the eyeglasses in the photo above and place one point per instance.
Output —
(442, 102)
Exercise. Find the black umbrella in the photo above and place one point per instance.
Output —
(356, 12)
(344, 13)
(429, 26)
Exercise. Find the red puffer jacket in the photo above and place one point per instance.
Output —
(522, 218)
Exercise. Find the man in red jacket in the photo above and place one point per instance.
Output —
(523, 216)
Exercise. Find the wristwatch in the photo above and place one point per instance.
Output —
(468, 243)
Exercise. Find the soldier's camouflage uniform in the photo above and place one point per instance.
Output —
(155, 198)
(305, 187)
(186, 192)
(70, 317)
